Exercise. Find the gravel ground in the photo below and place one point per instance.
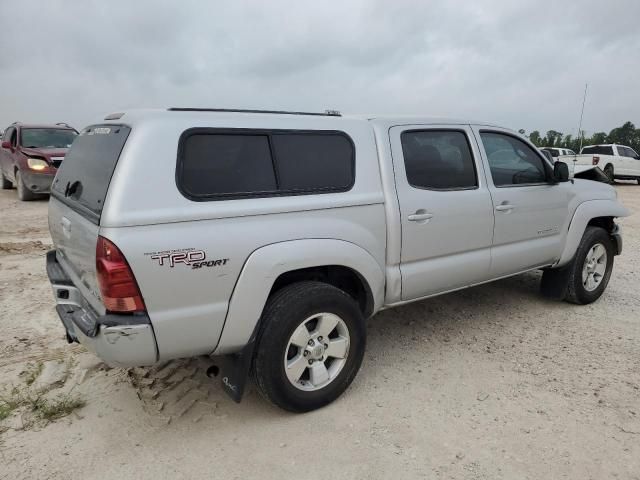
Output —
(488, 383)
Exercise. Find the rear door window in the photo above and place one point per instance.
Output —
(222, 164)
(7, 134)
(84, 176)
(438, 160)
(627, 152)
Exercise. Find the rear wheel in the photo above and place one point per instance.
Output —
(5, 182)
(638, 179)
(608, 171)
(24, 193)
(310, 347)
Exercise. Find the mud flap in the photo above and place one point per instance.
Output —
(555, 282)
(234, 369)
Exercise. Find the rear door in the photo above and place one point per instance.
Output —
(634, 158)
(628, 157)
(4, 152)
(529, 211)
(6, 155)
(445, 209)
(78, 193)
(619, 160)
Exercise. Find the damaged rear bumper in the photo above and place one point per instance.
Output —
(119, 340)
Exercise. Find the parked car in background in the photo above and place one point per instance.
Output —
(617, 161)
(267, 239)
(548, 155)
(30, 156)
(557, 152)
(586, 172)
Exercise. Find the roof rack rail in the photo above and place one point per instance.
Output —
(326, 113)
(63, 124)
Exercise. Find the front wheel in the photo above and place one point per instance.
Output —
(24, 193)
(6, 183)
(592, 266)
(310, 346)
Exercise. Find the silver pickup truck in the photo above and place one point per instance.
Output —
(266, 239)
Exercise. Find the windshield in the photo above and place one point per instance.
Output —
(47, 137)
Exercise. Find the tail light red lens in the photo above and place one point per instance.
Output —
(120, 292)
(596, 160)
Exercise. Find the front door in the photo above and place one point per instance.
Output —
(530, 211)
(445, 209)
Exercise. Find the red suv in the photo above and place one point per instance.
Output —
(30, 156)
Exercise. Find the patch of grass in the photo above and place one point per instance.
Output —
(39, 406)
(5, 411)
(32, 372)
(8, 403)
(52, 409)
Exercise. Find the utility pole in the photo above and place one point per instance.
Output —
(584, 99)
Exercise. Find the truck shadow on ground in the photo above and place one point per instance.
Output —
(181, 388)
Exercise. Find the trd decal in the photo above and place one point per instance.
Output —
(187, 256)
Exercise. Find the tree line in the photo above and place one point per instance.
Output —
(627, 135)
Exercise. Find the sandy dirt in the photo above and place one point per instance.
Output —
(489, 383)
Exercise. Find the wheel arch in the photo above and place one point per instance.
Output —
(598, 213)
(270, 268)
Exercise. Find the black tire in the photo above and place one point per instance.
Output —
(284, 313)
(24, 193)
(608, 171)
(638, 179)
(576, 291)
(5, 182)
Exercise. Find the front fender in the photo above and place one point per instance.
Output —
(266, 264)
(583, 214)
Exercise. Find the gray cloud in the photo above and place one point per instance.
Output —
(522, 64)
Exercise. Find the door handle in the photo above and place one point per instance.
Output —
(420, 216)
(505, 207)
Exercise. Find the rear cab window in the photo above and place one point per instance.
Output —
(218, 164)
(598, 150)
(83, 178)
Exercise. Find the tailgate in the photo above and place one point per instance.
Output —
(75, 239)
(78, 194)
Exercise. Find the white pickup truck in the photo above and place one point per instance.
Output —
(617, 161)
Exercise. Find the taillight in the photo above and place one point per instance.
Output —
(120, 292)
(595, 160)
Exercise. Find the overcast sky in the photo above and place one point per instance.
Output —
(522, 64)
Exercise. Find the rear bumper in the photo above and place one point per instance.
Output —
(119, 340)
(37, 182)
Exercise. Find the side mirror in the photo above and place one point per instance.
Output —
(560, 172)
(6, 144)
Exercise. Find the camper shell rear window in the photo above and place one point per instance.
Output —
(83, 178)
